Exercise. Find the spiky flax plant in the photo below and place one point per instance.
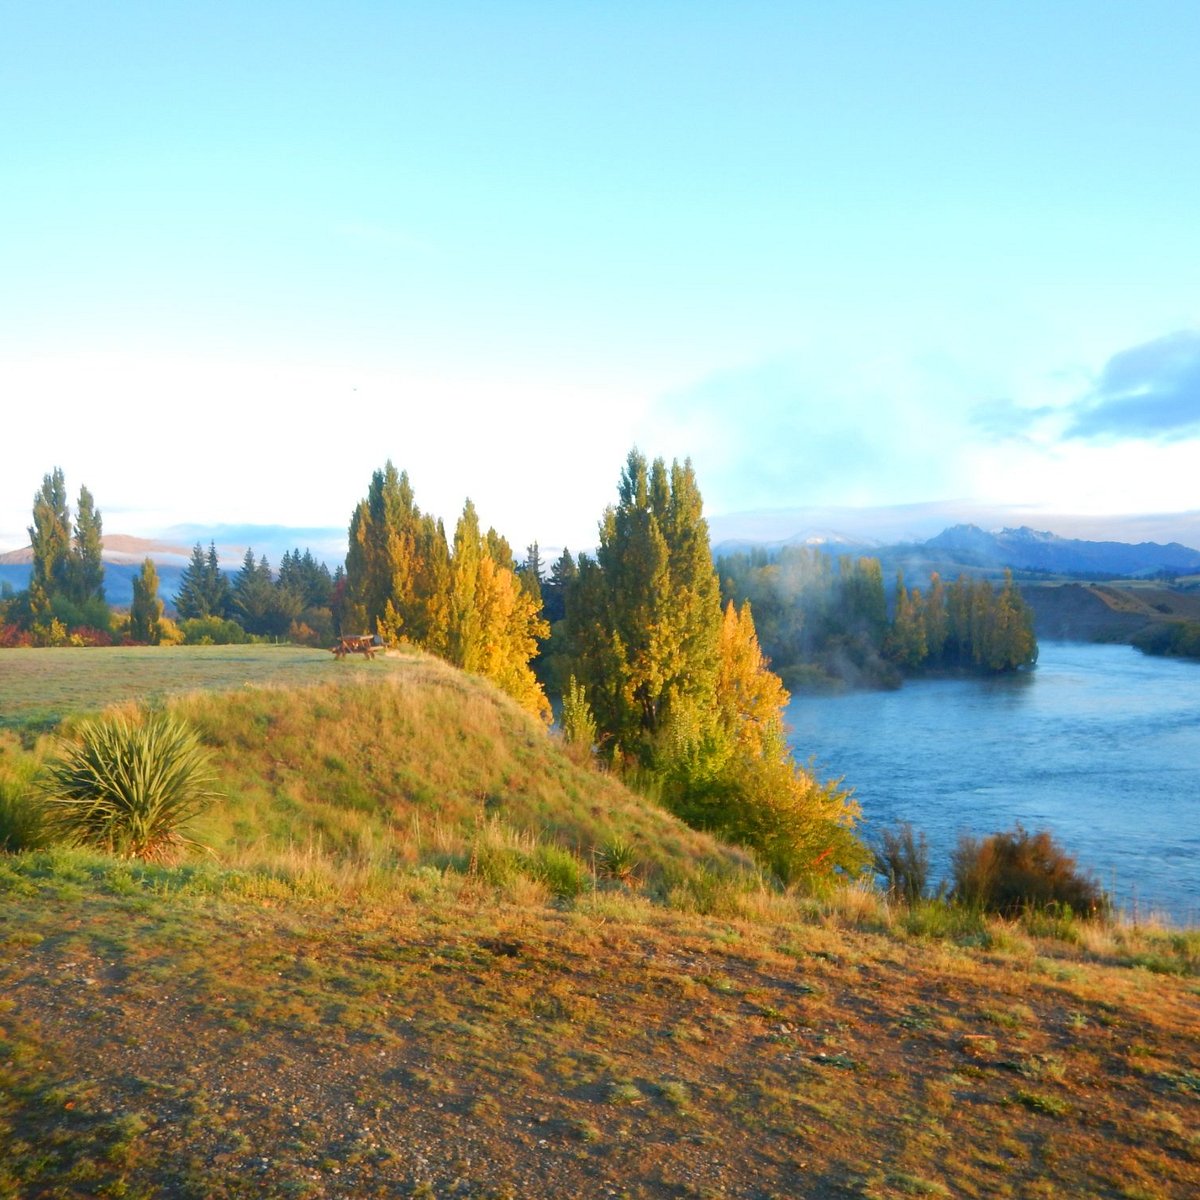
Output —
(127, 787)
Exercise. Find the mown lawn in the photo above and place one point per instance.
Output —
(38, 687)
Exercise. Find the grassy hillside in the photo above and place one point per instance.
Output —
(405, 971)
(415, 764)
(1106, 612)
(352, 770)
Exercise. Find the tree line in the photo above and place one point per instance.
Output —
(657, 655)
(822, 616)
(296, 602)
(65, 602)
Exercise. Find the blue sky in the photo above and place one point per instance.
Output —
(855, 254)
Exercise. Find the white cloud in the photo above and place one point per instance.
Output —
(782, 433)
(163, 440)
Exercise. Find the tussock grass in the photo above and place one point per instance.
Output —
(22, 823)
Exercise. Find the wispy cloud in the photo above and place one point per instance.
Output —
(1148, 391)
(783, 432)
(1004, 418)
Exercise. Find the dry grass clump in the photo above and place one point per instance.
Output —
(22, 823)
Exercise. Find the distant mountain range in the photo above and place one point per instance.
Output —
(960, 546)
(1030, 550)
(1022, 549)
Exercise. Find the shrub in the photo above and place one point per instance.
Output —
(52, 634)
(578, 724)
(127, 787)
(903, 860)
(87, 635)
(211, 631)
(1010, 872)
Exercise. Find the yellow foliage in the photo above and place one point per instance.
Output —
(750, 696)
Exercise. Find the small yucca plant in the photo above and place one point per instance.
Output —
(617, 858)
(127, 787)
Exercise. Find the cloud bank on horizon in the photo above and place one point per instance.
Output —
(855, 255)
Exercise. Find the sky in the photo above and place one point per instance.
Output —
(841, 255)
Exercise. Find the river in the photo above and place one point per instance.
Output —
(1098, 744)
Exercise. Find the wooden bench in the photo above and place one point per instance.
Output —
(363, 644)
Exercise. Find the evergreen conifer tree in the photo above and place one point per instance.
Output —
(554, 589)
(255, 602)
(191, 600)
(530, 573)
(217, 589)
(936, 619)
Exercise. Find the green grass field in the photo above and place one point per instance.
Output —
(40, 687)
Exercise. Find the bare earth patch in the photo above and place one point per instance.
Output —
(187, 1047)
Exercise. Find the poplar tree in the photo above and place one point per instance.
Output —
(397, 567)
(799, 826)
(50, 540)
(380, 564)
(680, 687)
(906, 643)
(494, 622)
(1014, 643)
(466, 619)
(511, 627)
(936, 619)
(86, 566)
(145, 613)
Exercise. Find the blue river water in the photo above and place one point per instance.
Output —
(1098, 744)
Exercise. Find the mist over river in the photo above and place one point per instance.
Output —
(1098, 744)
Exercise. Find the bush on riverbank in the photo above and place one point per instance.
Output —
(1010, 872)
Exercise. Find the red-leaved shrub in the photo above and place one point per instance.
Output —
(1011, 872)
